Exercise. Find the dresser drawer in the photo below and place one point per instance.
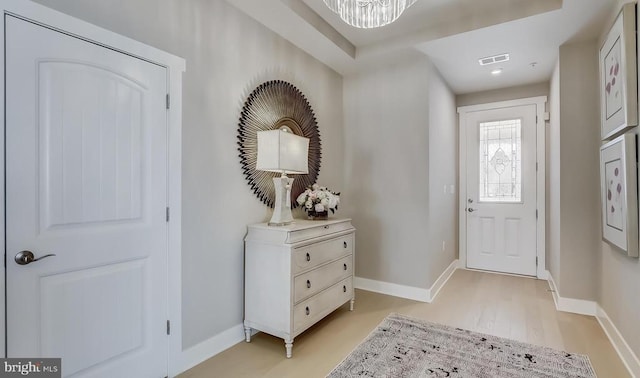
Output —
(314, 255)
(317, 307)
(323, 228)
(307, 284)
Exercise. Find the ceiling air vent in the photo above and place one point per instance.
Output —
(493, 59)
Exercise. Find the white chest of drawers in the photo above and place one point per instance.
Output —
(296, 275)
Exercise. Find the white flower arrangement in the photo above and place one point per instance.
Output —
(318, 199)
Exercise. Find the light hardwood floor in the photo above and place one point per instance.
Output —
(507, 306)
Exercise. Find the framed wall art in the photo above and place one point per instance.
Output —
(618, 177)
(618, 75)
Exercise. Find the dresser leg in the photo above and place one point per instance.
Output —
(288, 344)
(353, 301)
(247, 334)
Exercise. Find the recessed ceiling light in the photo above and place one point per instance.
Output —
(493, 59)
(496, 72)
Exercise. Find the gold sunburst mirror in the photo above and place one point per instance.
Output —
(275, 105)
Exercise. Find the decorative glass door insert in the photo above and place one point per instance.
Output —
(500, 163)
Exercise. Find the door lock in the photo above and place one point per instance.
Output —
(471, 210)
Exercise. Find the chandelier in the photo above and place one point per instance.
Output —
(368, 13)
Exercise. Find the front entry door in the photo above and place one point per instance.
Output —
(86, 177)
(501, 190)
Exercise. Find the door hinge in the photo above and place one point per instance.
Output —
(167, 214)
(536, 213)
(168, 101)
(168, 327)
(536, 261)
(536, 166)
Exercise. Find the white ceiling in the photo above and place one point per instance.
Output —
(453, 33)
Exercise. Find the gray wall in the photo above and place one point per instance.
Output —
(400, 152)
(573, 230)
(618, 292)
(443, 171)
(227, 55)
(582, 265)
(579, 170)
(574, 197)
(619, 282)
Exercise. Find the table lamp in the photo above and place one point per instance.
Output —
(283, 152)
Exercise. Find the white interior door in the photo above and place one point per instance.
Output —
(86, 180)
(501, 190)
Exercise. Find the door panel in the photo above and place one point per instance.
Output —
(512, 236)
(501, 190)
(487, 235)
(90, 167)
(104, 129)
(118, 311)
(86, 166)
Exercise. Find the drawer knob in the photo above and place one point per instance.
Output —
(345, 266)
(307, 311)
(344, 244)
(326, 227)
(308, 257)
(308, 284)
(344, 288)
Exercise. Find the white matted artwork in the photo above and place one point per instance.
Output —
(618, 75)
(618, 176)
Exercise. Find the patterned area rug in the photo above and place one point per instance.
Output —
(405, 347)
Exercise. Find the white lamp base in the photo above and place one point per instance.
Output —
(282, 210)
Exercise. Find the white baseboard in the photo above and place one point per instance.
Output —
(408, 292)
(579, 306)
(388, 288)
(630, 360)
(554, 289)
(576, 306)
(210, 347)
(444, 277)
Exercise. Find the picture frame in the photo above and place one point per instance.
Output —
(619, 191)
(619, 75)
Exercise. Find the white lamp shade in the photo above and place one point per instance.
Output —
(283, 152)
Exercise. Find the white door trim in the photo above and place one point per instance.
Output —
(175, 67)
(463, 112)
